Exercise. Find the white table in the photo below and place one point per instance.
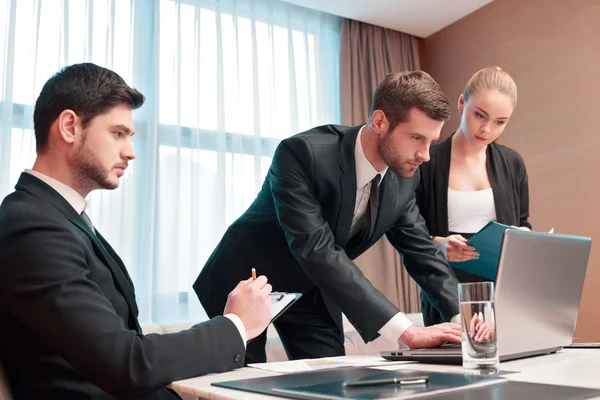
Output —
(568, 367)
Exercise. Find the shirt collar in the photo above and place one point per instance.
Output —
(365, 172)
(69, 194)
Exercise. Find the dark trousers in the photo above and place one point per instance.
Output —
(306, 330)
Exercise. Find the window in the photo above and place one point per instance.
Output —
(225, 82)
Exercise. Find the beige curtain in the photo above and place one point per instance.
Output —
(368, 54)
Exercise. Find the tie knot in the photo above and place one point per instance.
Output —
(375, 183)
(87, 220)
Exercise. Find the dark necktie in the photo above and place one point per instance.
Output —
(367, 223)
(373, 204)
(87, 220)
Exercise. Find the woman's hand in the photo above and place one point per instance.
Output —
(455, 248)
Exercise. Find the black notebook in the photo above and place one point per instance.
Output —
(328, 384)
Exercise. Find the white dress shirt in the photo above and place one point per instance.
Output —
(79, 204)
(365, 172)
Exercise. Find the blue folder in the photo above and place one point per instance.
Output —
(487, 243)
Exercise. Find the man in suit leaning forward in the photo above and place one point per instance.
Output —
(330, 194)
(68, 315)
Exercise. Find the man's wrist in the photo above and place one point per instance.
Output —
(407, 336)
(437, 240)
(239, 324)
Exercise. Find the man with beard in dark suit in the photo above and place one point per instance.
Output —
(330, 194)
(68, 315)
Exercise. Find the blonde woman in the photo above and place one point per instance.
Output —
(470, 178)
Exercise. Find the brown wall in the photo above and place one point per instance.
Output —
(552, 50)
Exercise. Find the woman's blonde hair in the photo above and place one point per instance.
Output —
(492, 78)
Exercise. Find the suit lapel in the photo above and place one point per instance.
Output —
(125, 284)
(387, 203)
(347, 186)
(41, 190)
(115, 257)
(114, 264)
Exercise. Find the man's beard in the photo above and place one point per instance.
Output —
(396, 163)
(89, 171)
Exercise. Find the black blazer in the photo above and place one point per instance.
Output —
(508, 178)
(296, 233)
(68, 315)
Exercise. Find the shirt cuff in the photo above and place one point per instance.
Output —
(456, 319)
(239, 325)
(395, 327)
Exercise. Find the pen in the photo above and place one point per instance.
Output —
(388, 381)
(253, 274)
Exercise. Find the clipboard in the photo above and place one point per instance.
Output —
(281, 301)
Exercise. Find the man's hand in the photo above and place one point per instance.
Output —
(251, 302)
(455, 248)
(417, 337)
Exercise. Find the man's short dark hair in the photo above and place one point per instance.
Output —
(399, 92)
(87, 89)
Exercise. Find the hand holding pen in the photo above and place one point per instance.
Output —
(250, 300)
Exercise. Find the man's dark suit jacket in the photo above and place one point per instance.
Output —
(68, 315)
(296, 233)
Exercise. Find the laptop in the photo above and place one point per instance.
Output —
(538, 289)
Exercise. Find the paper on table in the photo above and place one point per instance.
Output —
(325, 363)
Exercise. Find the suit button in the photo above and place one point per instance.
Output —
(237, 358)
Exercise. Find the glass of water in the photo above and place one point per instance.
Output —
(479, 340)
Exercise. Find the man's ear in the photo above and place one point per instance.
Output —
(68, 124)
(379, 121)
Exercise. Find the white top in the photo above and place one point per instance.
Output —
(468, 212)
(79, 204)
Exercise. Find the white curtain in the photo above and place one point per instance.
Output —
(225, 81)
